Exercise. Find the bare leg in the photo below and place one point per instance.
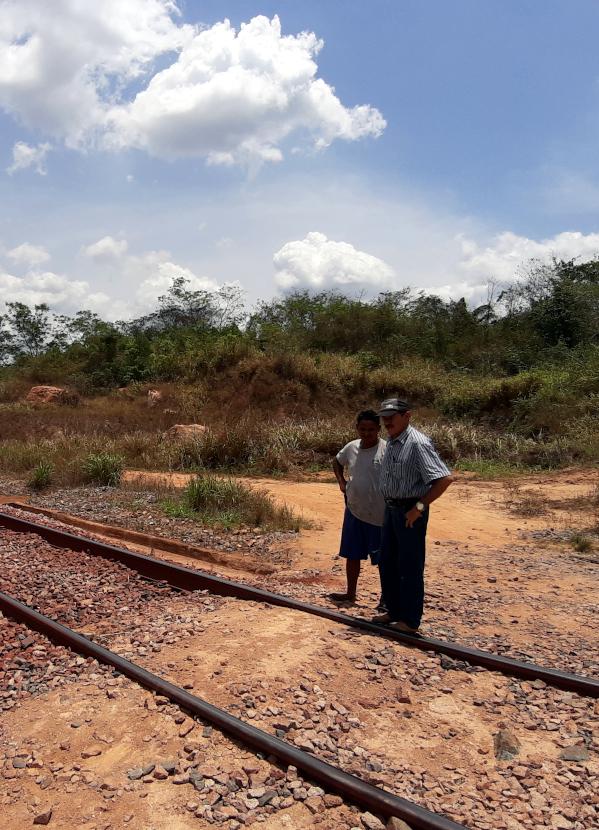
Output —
(352, 572)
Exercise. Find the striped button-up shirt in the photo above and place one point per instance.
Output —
(410, 465)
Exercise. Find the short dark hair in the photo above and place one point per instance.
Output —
(368, 415)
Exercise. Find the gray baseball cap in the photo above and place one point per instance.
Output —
(392, 405)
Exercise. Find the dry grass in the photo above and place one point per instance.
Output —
(243, 438)
(109, 415)
(585, 501)
(524, 502)
(581, 543)
(259, 447)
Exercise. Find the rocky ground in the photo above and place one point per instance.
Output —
(489, 751)
(140, 510)
(102, 754)
(496, 579)
(89, 778)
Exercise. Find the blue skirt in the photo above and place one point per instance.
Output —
(358, 539)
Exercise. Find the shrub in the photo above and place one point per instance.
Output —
(266, 447)
(103, 468)
(232, 446)
(229, 503)
(41, 476)
(581, 543)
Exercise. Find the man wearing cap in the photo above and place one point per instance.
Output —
(412, 477)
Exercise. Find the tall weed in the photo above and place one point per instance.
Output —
(103, 469)
(41, 476)
(230, 503)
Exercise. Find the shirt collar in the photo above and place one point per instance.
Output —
(402, 437)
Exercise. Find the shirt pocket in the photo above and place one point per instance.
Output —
(400, 467)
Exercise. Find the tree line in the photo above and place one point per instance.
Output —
(544, 318)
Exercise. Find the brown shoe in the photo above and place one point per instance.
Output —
(381, 619)
(399, 625)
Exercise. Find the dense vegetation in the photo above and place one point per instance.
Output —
(520, 373)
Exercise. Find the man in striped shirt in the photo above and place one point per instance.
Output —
(412, 477)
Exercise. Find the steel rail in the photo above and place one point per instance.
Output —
(334, 779)
(179, 576)
(148, 540)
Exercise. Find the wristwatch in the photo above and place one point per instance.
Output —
(420, 506)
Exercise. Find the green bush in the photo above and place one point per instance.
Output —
(41, 476)
(103, 469)
(229, 503)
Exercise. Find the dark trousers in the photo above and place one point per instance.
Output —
(402, 565)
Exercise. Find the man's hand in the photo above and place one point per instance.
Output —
(412, 516)
(342, 485)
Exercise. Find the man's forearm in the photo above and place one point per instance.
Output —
(438, 488)
(338, 470)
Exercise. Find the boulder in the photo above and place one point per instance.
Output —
(185, 432)
(154, 397)
(51, 394)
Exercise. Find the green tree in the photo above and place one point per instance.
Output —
(30, 328)
(181, 307)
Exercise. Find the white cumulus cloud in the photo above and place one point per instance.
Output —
(235, 96)
(320, 264)
(154, 272)
(25, 155)
(507, 258)
(56, 290)
(118, 285)
(85, 73)
(61, 63)
(507, 253)
(145, 277)
(29, 255)
(106, 248)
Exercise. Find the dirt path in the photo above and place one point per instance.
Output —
(471, 511)
(495, 578)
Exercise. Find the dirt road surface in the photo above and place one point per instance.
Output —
(501, 572)
(496, 579)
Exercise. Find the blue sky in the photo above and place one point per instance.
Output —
(426, 143)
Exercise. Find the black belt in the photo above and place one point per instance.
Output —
(406, 503)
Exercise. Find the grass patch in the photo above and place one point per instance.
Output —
(175, 509)
(41, 476)
(103, 469)
(524, 502)
(489, 469)
(581, 543)
(223, 502)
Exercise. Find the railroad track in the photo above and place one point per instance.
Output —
(189, 579)
(352, 788)
(334, 779)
